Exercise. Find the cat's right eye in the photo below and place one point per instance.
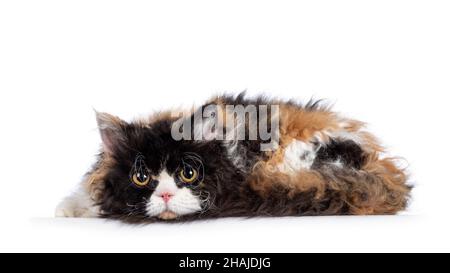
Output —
(141, 178)
(139, 174)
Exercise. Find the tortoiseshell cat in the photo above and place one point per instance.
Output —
(320, 164)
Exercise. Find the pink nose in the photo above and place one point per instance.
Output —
(166, 196)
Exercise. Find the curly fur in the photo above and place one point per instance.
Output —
(348, 175)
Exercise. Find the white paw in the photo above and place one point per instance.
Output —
(61, 211)
(77, 206)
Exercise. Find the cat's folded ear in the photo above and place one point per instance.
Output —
(111, 131)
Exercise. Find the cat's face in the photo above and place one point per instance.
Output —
(170, 186)
(150, 175)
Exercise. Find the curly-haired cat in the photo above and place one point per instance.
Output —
(322, 164)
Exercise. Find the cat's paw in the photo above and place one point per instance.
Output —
(62, 211)
(74, 206)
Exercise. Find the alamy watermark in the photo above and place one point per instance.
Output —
(230, 123)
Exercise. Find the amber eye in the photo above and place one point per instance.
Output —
(188, 174)
(140, 178)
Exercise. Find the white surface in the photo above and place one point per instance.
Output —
(293, 234)
(384, 62)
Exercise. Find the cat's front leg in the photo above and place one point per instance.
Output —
(78, 204)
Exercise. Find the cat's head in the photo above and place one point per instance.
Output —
(149, 175)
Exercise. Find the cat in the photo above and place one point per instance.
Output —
(314, 162)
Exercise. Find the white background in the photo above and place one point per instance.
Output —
(383, 62)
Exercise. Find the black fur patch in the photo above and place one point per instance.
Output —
(345, 151)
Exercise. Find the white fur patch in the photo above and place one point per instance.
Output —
(298, 155)
(338, 163)
(182, 201)
(78, 204)
(166, 184)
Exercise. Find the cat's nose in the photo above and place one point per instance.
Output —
(166, 196)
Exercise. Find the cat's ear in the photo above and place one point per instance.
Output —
(111, 131)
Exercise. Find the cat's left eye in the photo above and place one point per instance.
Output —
(188, 174)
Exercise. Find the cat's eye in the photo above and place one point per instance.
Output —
(188, 174)
(139, 174)
(141, 178)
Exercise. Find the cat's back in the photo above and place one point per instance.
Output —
(321, 152)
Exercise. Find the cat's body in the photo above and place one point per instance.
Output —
(324, 164)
